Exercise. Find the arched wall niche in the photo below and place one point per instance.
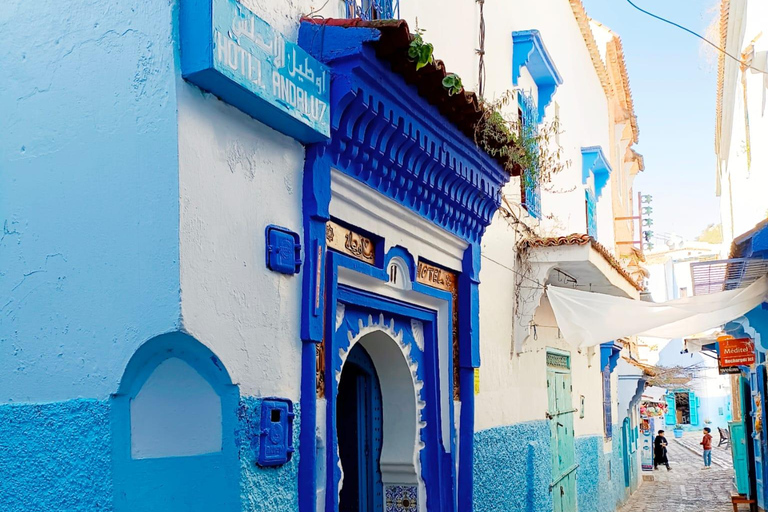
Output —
(173, 429)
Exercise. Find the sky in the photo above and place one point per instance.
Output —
(673, 82)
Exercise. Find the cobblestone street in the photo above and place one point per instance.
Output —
(687, 488)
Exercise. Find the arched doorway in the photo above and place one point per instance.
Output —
(359, 429)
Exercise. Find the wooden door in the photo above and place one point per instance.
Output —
(563, 486)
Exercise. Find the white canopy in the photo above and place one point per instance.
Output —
(587, 319)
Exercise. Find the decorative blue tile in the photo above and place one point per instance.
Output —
(402, 498)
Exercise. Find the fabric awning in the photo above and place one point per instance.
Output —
(587, 319)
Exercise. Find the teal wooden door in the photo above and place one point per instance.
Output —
(671, 417)
(739, 454)
(693, 406)
(563, 486)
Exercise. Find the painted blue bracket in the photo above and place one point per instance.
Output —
(283, 250)
(609, 355)
(594, 163)
(528, 51)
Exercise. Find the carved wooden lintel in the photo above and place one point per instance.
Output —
(348, 242)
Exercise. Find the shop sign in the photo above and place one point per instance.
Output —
(229, 51)
(736, 352)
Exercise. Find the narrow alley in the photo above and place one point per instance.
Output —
(687, 488)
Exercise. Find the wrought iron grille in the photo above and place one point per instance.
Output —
(373, 9)
(529, 127)
(561, 361)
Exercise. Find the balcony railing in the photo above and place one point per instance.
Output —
(373, 9)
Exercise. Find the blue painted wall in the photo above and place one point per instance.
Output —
(597, 489)
(89, 195)
(55, 457)
(273, 488)
(513, 468)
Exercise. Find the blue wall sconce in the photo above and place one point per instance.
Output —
(276, 434)
(283, 250)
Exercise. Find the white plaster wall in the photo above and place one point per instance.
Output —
(236, 176)
(513, 387)
(452, 26)
(743, 202)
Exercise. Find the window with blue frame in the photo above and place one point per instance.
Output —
(591, 213)
(596, 172)
(373, 9)
(529, 182)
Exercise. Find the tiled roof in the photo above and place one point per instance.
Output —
(589, 38)
(616, 60)
(463, 110)
(581, 239)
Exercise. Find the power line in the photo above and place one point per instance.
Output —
(630, 2)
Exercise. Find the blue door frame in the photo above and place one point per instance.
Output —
(439, 455)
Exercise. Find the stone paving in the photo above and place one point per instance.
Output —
(687, 488)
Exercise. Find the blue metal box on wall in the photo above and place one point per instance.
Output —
(229, 51)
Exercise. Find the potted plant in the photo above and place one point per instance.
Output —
(678, 431)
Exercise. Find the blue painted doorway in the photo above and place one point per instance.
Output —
(359, 428)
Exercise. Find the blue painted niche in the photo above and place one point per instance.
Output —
(528, 51)
(594, 163)
(182, 455)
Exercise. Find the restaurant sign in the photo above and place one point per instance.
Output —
(229, 51)
(736, 352)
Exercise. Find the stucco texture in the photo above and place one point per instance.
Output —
(89, 192)
(55, 457)
(512, 468)
(596, 491)
(265, 488)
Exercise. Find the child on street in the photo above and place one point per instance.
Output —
(706, 443)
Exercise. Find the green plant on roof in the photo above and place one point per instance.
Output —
(419, 51)
(531, 151)
(452, 82)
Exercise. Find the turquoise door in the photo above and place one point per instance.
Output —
(359, 427)
(563, 486)
(739, 454)
(693, 405)
(626, 438)
(671, 416)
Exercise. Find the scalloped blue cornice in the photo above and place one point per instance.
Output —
(528, 50)
(385, 135)
(593, 162)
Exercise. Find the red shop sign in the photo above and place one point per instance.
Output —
(737, 352)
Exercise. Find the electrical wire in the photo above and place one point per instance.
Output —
(481, 52)
(722, 50)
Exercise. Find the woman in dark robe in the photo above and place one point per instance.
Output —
(660, 451)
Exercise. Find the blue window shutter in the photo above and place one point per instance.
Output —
(591, 213)
(607, 412)
(693, 405)
(671, 417)
(531, 188)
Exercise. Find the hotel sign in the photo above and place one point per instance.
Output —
(736, 352)
(229, 51)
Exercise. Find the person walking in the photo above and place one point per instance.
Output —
(706, 443)
(660, 451)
